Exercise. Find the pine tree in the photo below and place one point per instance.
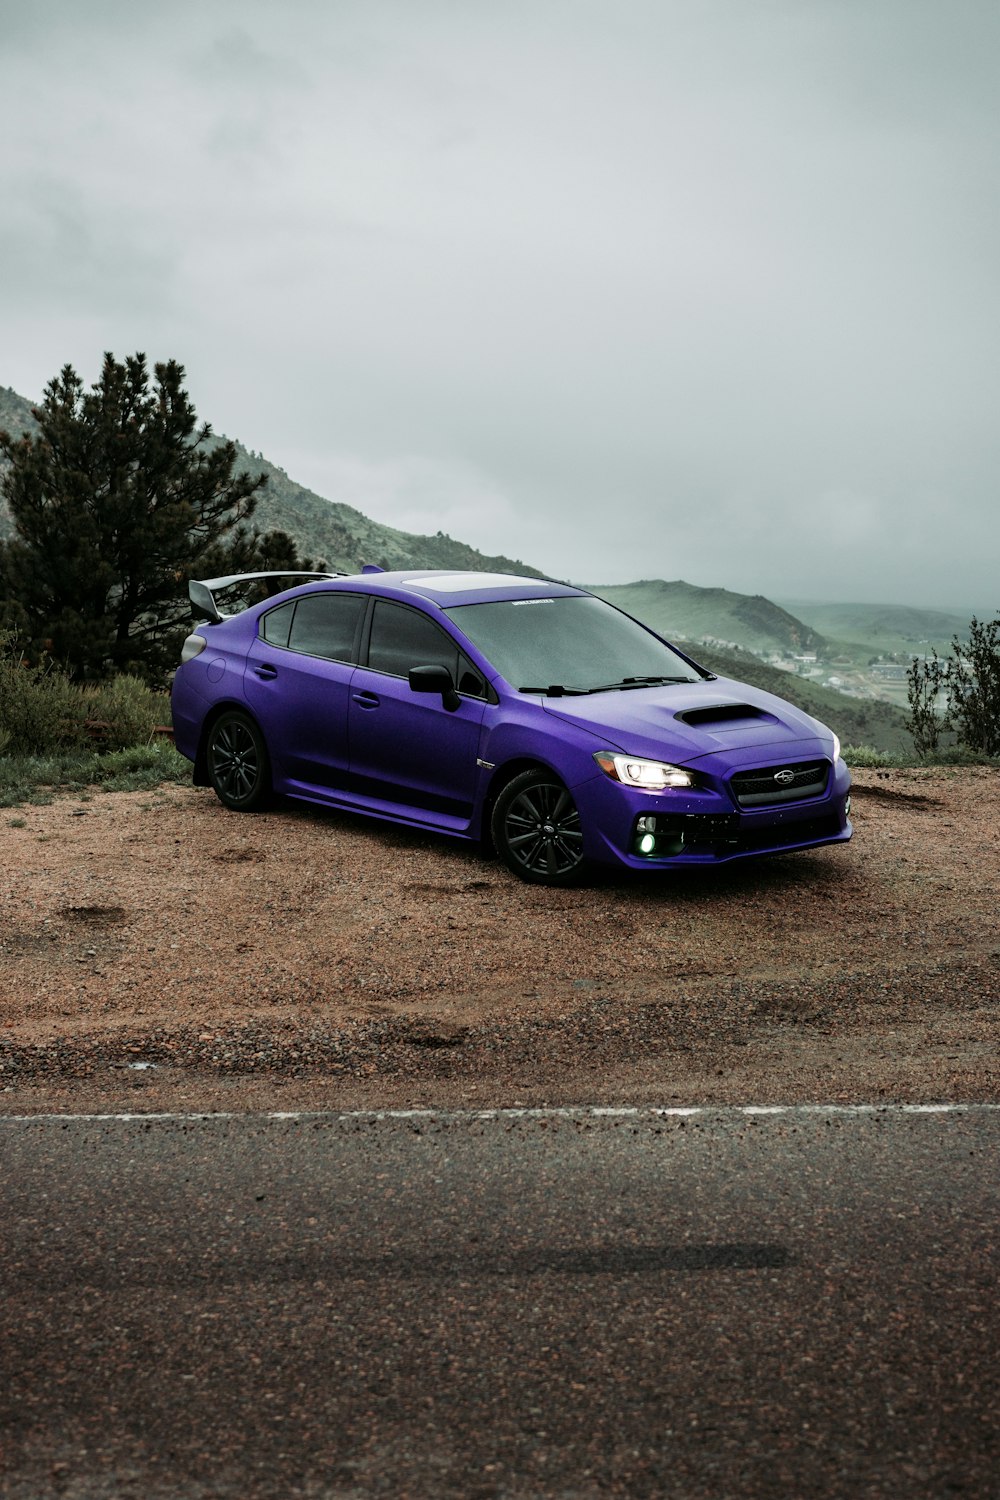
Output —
(117, 501)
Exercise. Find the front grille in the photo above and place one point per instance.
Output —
(798, 782)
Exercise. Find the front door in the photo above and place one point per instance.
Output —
(407, 750)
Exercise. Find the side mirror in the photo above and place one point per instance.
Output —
(435, 680)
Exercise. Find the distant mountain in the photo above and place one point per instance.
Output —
(682, 610)
(325, 530)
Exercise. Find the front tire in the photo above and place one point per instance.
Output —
(536, 830)
(239, 768)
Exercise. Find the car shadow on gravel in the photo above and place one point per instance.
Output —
(783, 876)
(778, 873)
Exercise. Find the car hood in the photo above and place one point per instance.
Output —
(684, 721)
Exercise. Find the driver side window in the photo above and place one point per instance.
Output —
(402, 638)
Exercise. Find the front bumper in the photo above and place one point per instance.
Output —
(704, 825)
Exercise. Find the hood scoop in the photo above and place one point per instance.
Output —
(723, 713)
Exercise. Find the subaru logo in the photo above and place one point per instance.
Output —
(784, 778)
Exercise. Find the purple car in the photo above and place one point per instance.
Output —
(508, 710)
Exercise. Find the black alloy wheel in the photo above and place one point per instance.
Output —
(536, 830)
(238, 765)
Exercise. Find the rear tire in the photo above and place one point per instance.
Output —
(238, 764)
(536, 830)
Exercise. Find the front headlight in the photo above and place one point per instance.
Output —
(644, 775)
(836, 748)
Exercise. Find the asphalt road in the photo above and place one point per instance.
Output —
(715, 1305)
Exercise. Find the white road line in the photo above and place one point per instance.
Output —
(568, 1112)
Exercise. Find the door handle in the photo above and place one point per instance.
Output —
(365, 699)
(266, 671)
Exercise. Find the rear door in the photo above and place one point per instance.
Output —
(408, 750)
(298, 680)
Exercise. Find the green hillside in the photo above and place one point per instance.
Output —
(858, 722)
(750, 622)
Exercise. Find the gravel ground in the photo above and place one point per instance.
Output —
(159, 952)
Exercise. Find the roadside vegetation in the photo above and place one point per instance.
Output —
(57, 735)
(43, 712)
(41, 778)
(862, 757)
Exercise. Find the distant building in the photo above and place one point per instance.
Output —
(888, 671)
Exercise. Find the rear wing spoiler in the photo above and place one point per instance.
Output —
(202, 591)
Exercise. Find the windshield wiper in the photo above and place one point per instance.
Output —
(636, 682)
(559, 690)
(646, 681)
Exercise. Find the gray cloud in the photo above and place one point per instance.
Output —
(626, 290)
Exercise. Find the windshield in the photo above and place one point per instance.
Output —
(573, 644)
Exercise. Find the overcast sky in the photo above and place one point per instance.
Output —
(701, 289)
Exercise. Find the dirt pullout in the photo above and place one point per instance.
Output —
(157, 951)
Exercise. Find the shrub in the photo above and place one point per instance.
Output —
(126, 709)
(924, 682)
(970, 677)
(868, 756)
(974, 688)
(39, 706)
(43, 713)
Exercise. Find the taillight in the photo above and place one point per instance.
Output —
(192, 647)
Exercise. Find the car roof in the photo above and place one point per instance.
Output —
(449, 587)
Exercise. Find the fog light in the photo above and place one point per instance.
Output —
(647, 844)
(847, 807)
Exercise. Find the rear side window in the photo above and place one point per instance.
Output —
(276, 624)
(319, 625)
